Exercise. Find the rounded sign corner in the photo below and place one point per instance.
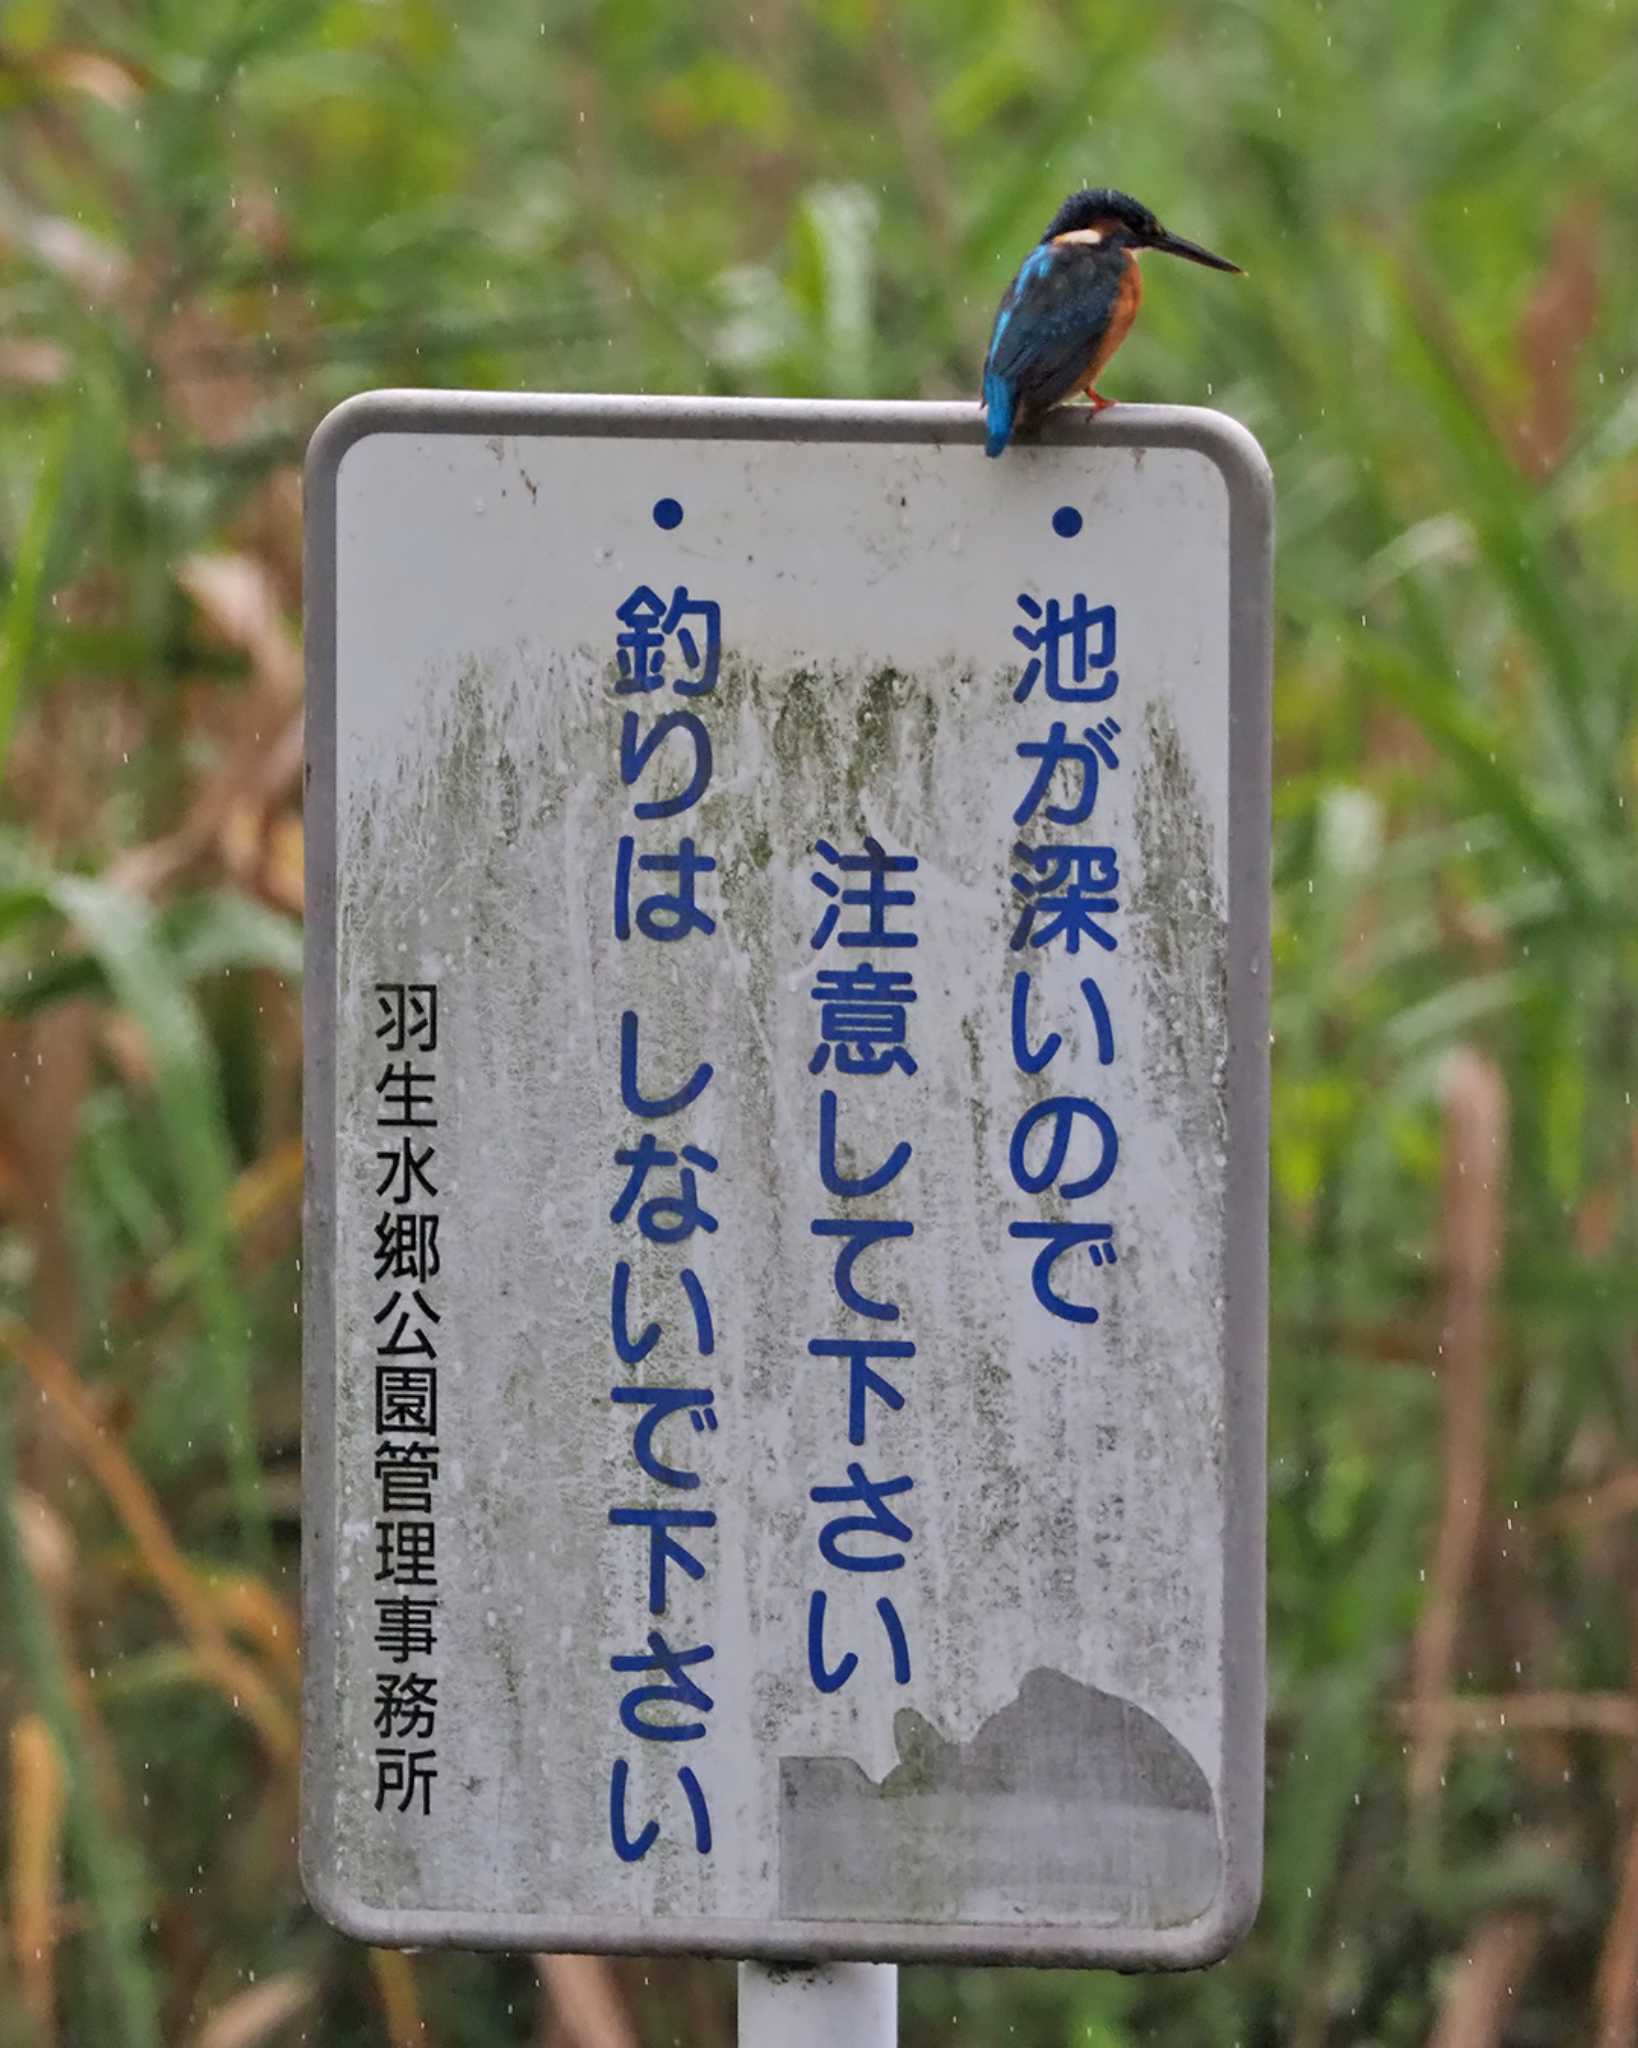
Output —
(335, 1905)
(1238, 455)
(344, 426)
(1224, 1926)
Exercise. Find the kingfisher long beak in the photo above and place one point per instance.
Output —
(1174, 245)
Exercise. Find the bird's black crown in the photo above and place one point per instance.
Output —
(1102, 202)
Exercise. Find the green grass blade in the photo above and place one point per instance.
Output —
(109, 1861)
(20, 623)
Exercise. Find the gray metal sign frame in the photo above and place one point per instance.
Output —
(1250, 501)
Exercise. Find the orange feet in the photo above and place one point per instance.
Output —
(1099, 404)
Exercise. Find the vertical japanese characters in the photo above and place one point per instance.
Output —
(407, 1264)
(863, 1029)
(1065, 881)
(667, 649)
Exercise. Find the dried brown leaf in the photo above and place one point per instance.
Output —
(1473, 1220)
(283, 876)
(261, 765)
(36, 364)
(250, 1606)
(1481, 1991)
(1591, 1507)
(40, 1131)
(1524, 1713)
(78, 1417)
(241, 600)
(264, 1188)
(1557, 324)
(64, 246)
(38, 1797)
(1615, 1989)
(256, 2015)
(400, 1998)
(586, 2002)
(48, 1543)
(95, 73)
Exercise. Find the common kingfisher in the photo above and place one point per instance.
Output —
(1070, 306)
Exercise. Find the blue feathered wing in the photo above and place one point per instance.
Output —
(1053, 316)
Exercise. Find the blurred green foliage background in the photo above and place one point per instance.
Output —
(218, 217)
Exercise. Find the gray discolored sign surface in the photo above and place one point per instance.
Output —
(787, 1131)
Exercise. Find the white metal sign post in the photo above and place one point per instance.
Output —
(786, 1257)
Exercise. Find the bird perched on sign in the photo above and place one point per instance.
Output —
(1070, 306)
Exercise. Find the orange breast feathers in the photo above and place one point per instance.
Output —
(1127, 300)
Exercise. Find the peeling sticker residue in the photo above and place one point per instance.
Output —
(973, 1829)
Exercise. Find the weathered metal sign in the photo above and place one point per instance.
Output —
(787, 1132)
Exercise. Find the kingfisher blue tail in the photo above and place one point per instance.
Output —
(999, 402)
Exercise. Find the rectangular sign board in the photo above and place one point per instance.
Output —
(787, 1132)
